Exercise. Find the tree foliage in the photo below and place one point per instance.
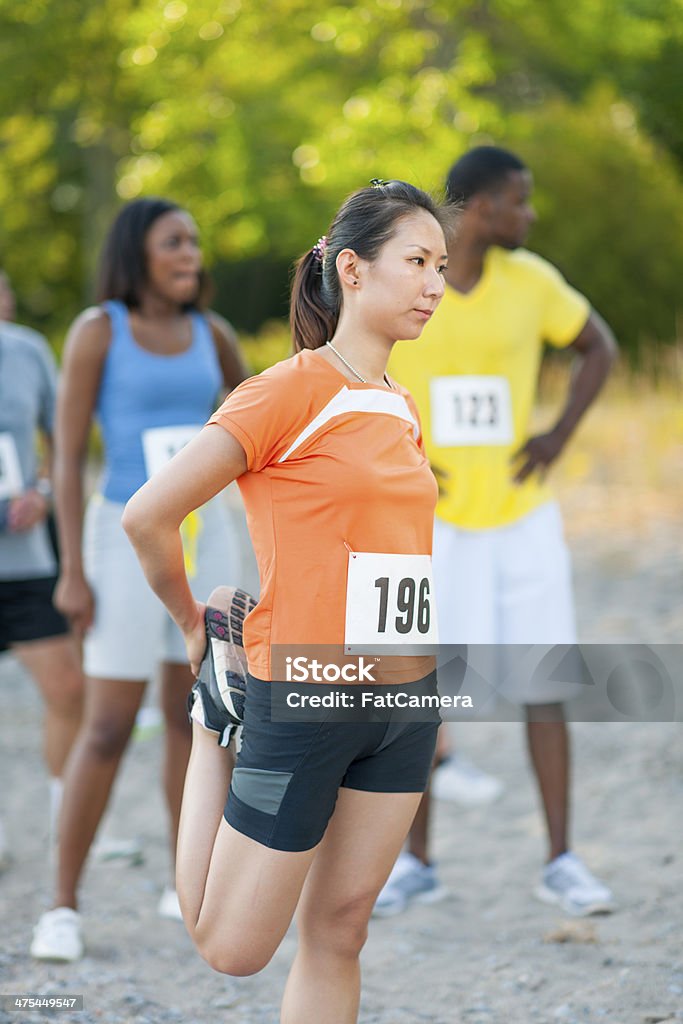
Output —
(610, 212)
(260, 117)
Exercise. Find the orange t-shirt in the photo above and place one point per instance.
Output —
(334, 467)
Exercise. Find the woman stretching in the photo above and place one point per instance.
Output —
(327, 452)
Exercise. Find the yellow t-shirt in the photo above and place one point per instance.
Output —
(473, 374)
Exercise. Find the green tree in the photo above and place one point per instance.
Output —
(611, 212)
(259, 117)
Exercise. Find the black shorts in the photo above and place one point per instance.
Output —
(27, 612)
(285, 782)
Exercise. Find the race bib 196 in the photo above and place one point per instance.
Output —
(389, 602)
(160, 444)
(470, 411)
(11, 477)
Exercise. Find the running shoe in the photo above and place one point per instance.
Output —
(458, 780)
(169, 906)
(216, 700)
(410, 881)
(128, 850)
(567, 882)
(58, 936)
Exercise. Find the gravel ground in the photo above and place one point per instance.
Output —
(489, 953)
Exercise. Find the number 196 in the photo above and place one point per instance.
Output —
(411, 601)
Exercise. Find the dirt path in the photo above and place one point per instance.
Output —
(487, 955)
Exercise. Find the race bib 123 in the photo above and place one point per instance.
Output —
(470, 411)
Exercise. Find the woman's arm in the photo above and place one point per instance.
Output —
(152, 518)
(232, 365)
(84, 355)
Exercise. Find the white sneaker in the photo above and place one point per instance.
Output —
(58, 936)
(169, 906)
(410, 881)
(567, 882)
(106, 850)
(460, 781)
(149, 722)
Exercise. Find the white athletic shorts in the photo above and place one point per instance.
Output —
(132, 631)
(508, 591)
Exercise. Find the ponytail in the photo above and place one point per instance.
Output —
(311, 318)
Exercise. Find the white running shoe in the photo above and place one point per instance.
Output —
(460, 781)
(131, 850)
(58, 936)
(149, 722)
(410, 881)
(169, 906)
(567, 882)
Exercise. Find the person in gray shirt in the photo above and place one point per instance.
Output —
(30, 626)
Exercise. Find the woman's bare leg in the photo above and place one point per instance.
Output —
(351, 865)
(110, 709)
(176, 682)
(201, 804)
(237, 896)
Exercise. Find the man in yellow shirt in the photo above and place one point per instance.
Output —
(501, 567)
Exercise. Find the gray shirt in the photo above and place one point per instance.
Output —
(28, 382)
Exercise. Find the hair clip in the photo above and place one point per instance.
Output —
(319, 248)
(378, 182)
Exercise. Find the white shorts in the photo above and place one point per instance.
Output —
(132, 631)
(509, 592)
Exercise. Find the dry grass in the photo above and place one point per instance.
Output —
(623, 469)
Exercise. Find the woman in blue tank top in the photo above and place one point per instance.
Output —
(148, 366)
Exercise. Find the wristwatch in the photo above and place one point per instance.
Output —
(44, 488)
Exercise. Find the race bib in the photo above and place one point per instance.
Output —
(389, 601)
(160, 444)
(471, 411)
(11, 478)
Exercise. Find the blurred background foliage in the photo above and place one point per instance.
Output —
(260, 117)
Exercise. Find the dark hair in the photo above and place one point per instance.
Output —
(483, 169)
(123, 267)
(364, 223)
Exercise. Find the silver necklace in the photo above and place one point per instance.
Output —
(348, 366)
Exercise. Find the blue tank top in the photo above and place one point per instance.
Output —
(142, 391)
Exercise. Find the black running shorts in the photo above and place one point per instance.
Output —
(27, 612)
(285, 782)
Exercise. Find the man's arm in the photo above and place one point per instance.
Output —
(597, 348)
(30, 508)
(33, 505)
